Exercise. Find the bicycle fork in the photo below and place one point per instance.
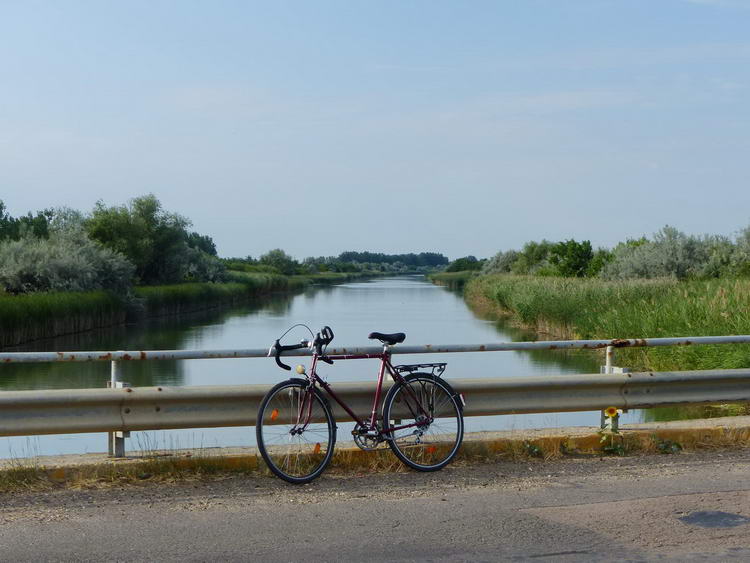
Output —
(304, 405)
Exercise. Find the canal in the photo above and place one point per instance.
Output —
(427, 313)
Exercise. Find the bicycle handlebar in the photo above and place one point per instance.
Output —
(323, 338)
(278, 348)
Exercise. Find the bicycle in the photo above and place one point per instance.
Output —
(421, 418)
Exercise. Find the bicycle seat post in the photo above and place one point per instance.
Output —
(387, 355)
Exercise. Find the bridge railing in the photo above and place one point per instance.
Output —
(121, 409)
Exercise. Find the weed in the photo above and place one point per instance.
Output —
(666, 446)
(532, 450)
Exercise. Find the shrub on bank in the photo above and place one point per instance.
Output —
(66, 261)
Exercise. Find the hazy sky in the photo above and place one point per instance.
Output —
(463, 127)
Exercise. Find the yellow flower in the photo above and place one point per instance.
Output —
(611, 412)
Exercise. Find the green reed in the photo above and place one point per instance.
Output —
(38, 315)
(452, 280)
(598, 309)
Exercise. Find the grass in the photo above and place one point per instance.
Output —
(23, 477)
(164, 468)
(598, 309)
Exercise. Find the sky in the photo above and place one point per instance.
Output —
(391, 126)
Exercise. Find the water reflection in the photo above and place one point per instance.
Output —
(166, 333)
(427, 313)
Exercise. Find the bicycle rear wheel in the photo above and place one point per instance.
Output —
(432, 413)
(296, 431)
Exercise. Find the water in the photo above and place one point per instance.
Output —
(428, 314)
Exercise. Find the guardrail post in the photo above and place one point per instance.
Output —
(610, 353)
(609, 357)
(116, 439)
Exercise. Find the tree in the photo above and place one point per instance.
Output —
(202, 242)
(464, 264)
(280, 261)
(532, 257)
(571, 259)
(12, 228)
(155, 241)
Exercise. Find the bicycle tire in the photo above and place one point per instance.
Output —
(432, 446)
(296, 458)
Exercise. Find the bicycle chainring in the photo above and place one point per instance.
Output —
(365, 438)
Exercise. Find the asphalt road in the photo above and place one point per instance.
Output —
(654, 508)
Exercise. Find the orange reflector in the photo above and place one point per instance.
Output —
(316, 449)
(431, 449)
(275, 414)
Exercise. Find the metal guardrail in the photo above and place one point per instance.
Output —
(120, 409)
(23, 357)
(160, 408)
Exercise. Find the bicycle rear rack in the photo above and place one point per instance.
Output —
(436, 369)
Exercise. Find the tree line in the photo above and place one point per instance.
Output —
(669, 253)
(110, 248)
(349, 261)
(141, 243)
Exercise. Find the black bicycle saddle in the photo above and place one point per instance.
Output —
(391, 339)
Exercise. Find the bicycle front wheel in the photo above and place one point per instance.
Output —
(296, 431)
(427, 420)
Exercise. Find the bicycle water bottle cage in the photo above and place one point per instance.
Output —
(436, 369)
(389, 339)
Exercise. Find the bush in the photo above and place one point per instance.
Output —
(671, 254)
(533, 258)
(501, 263)
(740, 259)
(202, 266)
(280, 261)
(67, 261)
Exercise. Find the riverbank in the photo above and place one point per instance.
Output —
(25, 318)
(572, 308)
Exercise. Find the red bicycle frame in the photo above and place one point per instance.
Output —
(385, 365)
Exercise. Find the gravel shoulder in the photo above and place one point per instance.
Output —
(564, 510)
